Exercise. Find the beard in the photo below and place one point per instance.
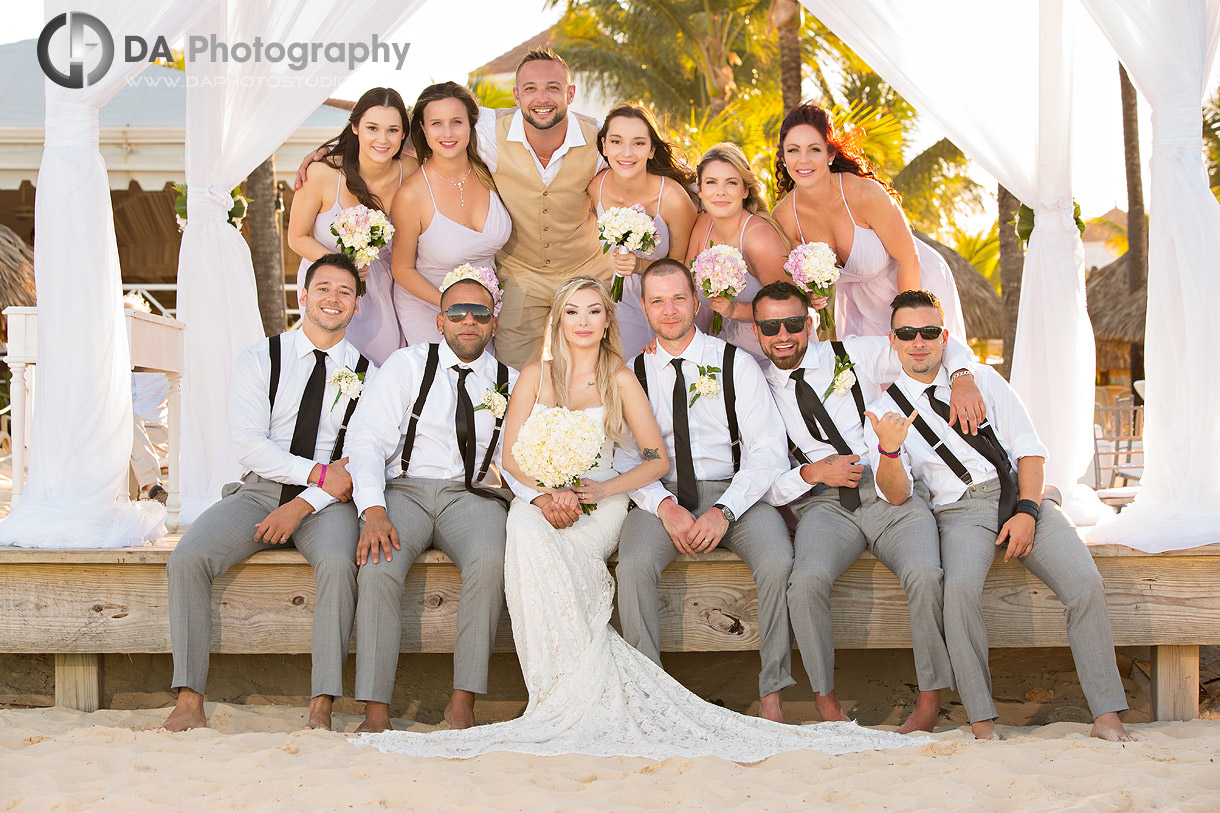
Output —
(561, 112)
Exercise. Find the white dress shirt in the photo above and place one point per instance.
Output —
(262, 438)
(876, 365)
(485, 128)
(763, 447)
(378, 429)
(1005, 412)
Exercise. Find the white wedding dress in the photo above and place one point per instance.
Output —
(590, 692)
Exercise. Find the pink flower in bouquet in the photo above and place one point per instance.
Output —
(361, 233)
(482, 275)
(720, 271)
(814, 268)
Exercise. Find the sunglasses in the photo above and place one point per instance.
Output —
(793, 324)
(459, 312)
(908, 334)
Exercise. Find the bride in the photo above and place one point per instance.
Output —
(589, 691)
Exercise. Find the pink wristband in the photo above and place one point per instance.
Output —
(889, 454)
(322, 476)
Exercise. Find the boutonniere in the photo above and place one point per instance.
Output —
(494, 401)
(349, 383)
(706, 385)
(844, 379)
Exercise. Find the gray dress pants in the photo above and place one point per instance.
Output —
(759, 537)
(968, 530)
(470, 530)
(223, 536)
(829, 538)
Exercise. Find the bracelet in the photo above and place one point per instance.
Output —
(322, 476)
(894, 453)
(962, 372)
(1028, 507)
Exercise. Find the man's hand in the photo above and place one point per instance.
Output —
(1019, 532)
(707, 531)
(303, 170)
(378, 536)
(966, 404)
(338, 482)
(891, 428)
(677, 522)
(280, 523)
(559, 517)
(836, 470)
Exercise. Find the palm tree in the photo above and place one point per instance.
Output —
(785, 16)
(1137, 223)
(1012, 263)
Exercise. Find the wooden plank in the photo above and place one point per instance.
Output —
(1175, 682)
(78, 681)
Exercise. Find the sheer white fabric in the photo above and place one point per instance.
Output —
(1167, 47)
(236, 115)
(1002, 92)
(590, 691)
(81, 441)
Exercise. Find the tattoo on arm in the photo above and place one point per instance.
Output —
(652, 454)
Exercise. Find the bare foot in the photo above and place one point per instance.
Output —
(771, 708)
(460, 711)
(828, 706)
(1108, 727)
(985, 730)
(319, 713)
(925, 715)
(187, 713)
(376, 718)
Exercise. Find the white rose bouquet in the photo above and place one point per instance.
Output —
(626, 228)
(814, 268)
(720, 271)
(361, 234)
(556, 446)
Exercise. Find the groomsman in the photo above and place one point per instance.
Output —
(422, 446)
(287, 414)
(835, 499)
(725, 437)
(986, 494)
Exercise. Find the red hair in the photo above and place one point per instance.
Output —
(847, 158)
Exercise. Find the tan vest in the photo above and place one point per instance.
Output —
(554, 230)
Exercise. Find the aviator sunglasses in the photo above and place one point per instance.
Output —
(770, 327)
(458, 311)
(907, 334)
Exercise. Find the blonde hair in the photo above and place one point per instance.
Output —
(732, 155)
(609, 356)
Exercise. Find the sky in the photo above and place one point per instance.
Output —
(487, 28)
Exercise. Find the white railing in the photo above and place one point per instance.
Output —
(150, 290)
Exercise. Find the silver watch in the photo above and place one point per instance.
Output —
(728, 514)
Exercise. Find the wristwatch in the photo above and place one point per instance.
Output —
(724, 509)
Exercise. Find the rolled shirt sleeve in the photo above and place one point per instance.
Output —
(250, 424)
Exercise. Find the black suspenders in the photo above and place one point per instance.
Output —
(273, 386)
(938, 445)
(856, 392)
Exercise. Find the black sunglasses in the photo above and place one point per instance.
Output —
(908, 334)
(793, 324)
(459, 311)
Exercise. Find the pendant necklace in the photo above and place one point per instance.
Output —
(458, 184)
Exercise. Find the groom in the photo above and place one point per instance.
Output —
(421, 458)
(726, 439)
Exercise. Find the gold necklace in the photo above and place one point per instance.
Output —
(458, 184)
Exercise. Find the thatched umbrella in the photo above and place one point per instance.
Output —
(1118, 314)
(981, 305)
(16, 273)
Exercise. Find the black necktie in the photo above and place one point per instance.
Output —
(467, 437)
(309, 414)
(988, 445)
(688, 491)
(813, 411)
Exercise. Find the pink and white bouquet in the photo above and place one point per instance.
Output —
(814, 268)
(362, 233)
(720, 271)
(482, 275)
(557, 446)
(625, 229)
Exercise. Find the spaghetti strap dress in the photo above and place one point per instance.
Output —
(736, 331)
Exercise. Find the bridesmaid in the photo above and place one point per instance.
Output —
(372, 145)
(834, 198)
(642, 170)
(446, 214)
(734, 214)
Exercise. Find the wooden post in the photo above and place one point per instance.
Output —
(78, 681)
(1175, 682)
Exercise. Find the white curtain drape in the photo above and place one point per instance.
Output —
(81, 441)
(237, 115)
(1000, 85)
(1167, 47)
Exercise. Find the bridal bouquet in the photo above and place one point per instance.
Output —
(362, 233)
(720, 271)
(482, 275)
(628, 228)
(814, 268)
(556, 446)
